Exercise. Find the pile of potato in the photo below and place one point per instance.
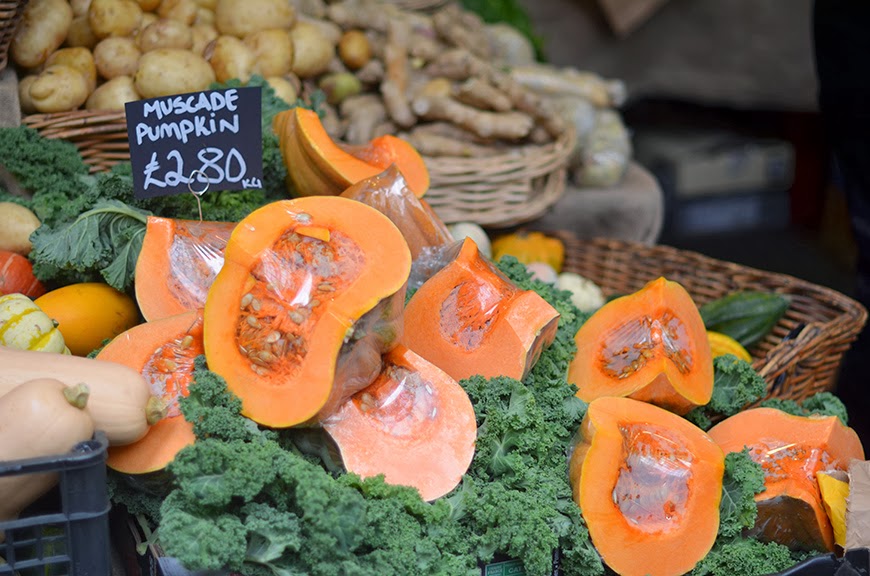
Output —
(99, 54)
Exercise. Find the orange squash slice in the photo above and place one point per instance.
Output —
(470, 319)
(414, 424)
(309, 298)
(650, 346)
(388, 192)
(649, 484)
(791, 451)
(162, 351)
(177, 264)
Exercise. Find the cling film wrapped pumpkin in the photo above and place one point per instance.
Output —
(529, 247)
(308, 300)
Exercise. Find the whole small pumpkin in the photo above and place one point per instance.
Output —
(89, 313)
(25, 327)
(16, 276)
(529, 247)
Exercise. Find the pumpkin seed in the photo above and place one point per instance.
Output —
(256, 305)
(266, 356)
(272, 337)
(243, 350)
(253, 322)
(303, 217)
(258, 361)
(315, 302)
(186, 342)
(326, 287)
(170, 365)
(278, 347)
(246, 300)
(296, 317)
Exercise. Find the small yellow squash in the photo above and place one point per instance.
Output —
(529, 247)
(25, 326)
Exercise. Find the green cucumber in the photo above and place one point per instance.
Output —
(745, 316)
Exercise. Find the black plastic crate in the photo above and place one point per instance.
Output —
(65, 533)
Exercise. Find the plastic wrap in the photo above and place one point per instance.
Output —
(430, 261)
(389, 194)
(606, 152)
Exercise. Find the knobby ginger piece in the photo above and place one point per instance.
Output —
(363, 114)
(480, 94)
(462, 28)
(548, 79)
(394, 87)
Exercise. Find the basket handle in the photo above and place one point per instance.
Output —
(783, 355)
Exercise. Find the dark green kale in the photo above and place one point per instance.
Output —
(736, 384)
(820, 403)
(743, 479)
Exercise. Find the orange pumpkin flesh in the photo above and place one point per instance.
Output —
(388, 150)
(304, 177)
(650, 346)
(469, 319)
(791, 449)
(649, 484)
(389, 194)
(414, 424)
(177, 264)
(16, 276)
(284, 312)
(162, 351)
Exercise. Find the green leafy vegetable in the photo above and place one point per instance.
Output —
(746, 557)
(743, 479)
(736, 384)
(106, 238)
(820, 403)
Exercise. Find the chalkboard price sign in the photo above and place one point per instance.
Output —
(194, 142)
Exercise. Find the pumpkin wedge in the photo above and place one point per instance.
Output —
(177, 264)
(388, 192)
(414, 424)
(162, 351)
(309, 298)
(648, 483)
(650, 345)
(318, 165)
(469, 319)
(791, 451)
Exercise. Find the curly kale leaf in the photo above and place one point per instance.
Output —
(746, 557)
(743, 479)
(736, 384)
(820, 403)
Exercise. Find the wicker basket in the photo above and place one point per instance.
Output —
(802, 354)
(10, 14)
(496, 191)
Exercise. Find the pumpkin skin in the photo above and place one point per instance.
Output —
(388, 193)
(470, 319)
(89, 313)
(649, 484)
(414, 424)
(16, 276)
(25, 327)
(163, 351)
(177, 264)
(791, 450)
(650, 345)
(309, 298)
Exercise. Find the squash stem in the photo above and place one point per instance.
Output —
(155, 410)
(77, 395)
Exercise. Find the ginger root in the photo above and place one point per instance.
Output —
(480, 94)
(394, 87)
(462, 28)
(363, 114)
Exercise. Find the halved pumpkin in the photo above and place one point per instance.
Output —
(177, 264)
(650, 345)
(162, 351)
(470, 319)
(648, 483)
(388, 192)
(308, 299)
(388, 150)
(414, 424)
(791, 451)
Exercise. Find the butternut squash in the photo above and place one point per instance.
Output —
(120, 401)
(177, 264)
(309, 298)
(650, 345)
(470, 319)
(648, 483)
(38, 418)
(162, 351)
(414, 424)
(791, 450)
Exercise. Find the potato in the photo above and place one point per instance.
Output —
(241, 18)
(80, 34)
(17, 223)
(24, 99)
(204, 16)
(203, 34)
(273, 51)
(230, 58)
(59, 88)
(79, 58)
(148, 18)
(354, 49)
(331, 31)
(165, 33)
(181, 10)
(148, 5)
(116, 57)
(167, 71)
(42, 29)
(312, 52)
(284, 88)
(80, 7)
(207, 4)
(114, 17)
(113, 94)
